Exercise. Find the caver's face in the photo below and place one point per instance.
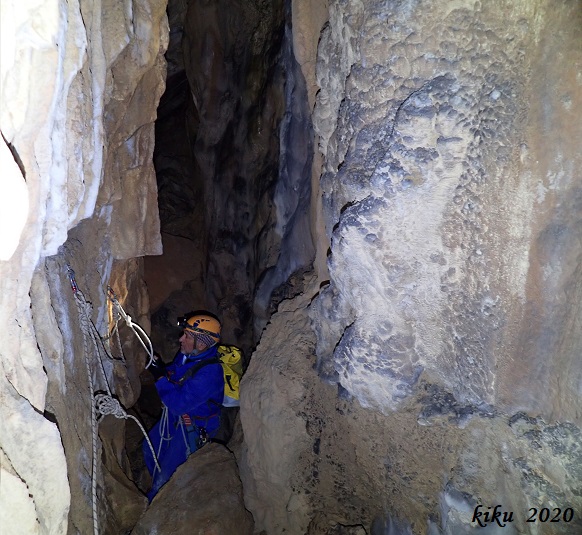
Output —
(191, 344)
(187, 343)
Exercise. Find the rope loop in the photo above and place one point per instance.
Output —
(108, 405)
(137, 330)
(103, 404)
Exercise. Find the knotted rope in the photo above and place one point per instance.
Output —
(104, 404)
(108, 405)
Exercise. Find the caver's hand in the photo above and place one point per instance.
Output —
(157, 367)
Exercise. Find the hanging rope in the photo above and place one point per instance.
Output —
(165, 436)
(116, 317)
(104, 404)
(108, 405)
(186, 442)
(106, 340)
(137, 330)
(84, 310)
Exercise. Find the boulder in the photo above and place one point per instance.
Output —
(203, 497)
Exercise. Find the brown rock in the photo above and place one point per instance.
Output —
(203, 497)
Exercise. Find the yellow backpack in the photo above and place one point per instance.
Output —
(231, 358)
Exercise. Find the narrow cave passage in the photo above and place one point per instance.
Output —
(233, 156)
(233, 159)
(427, 369)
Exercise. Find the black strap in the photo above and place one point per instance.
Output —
(194, 369)
(228, 377)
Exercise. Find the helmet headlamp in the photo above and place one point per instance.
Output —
(203, 325)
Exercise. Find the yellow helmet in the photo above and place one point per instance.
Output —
(205, 326)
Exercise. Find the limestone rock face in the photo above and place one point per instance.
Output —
(309, 16)
(203, 497)
(452, 240)
(438, 369)
(80, 83)
(316, 461)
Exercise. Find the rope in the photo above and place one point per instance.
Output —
(105, 404)
(164, 436)
(84, 310)
(186, 443)
(116, 317)
(137, 330)
(112, 333)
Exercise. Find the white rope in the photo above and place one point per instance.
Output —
(186, 443)
(108, 405)
(114, 333)
(137, 330)
(165, 435)
(84, 310)
(105, 404)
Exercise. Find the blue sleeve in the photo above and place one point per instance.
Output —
(192, 396)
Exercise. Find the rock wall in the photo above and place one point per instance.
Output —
(428, 367)
(233, 164)
(80, 85)
(438, 367)
(443, 206)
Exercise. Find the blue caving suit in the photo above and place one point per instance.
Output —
(200, 398)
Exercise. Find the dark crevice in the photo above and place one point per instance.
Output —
(51, 417)
(16, 157)
(233, 154)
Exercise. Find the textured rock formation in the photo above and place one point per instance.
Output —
(80, 85)
(451, 198)
(444, 206)
(203, 497)
(233, 164)
(315, 461)
(431, 366)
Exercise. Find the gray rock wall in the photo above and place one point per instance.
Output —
(233, 161)
(440, 367)
(196, 501)
(443, 204)
(241, 103)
